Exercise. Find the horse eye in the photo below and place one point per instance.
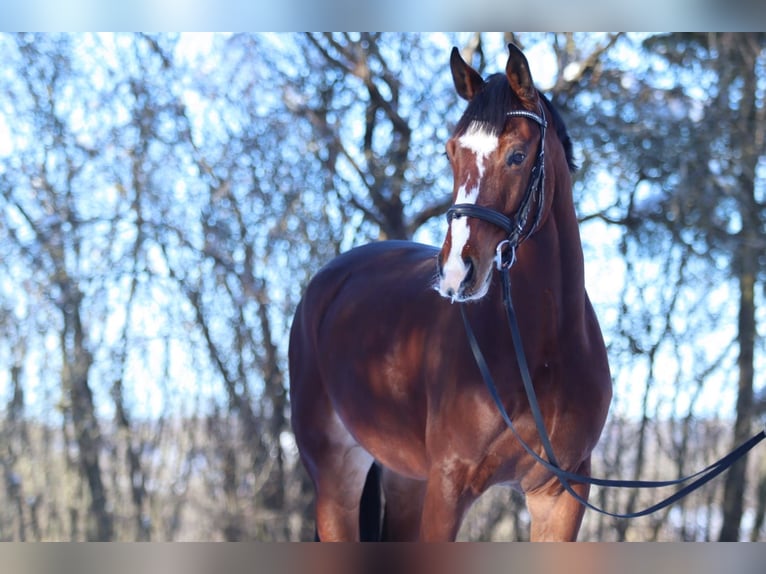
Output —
(515, 158)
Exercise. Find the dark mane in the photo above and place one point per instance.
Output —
(495, 99)
(561, 131)
(489, 106)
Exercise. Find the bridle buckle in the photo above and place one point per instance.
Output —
(505, 255)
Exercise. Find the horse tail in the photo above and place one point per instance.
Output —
(371, 507)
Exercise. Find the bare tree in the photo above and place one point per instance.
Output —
(162, 206)
(49, 238)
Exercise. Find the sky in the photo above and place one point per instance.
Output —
(604, 278)
(293, 15)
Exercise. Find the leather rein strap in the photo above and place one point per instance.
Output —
(566, 477)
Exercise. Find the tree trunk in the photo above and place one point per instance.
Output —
(137, 474)
(760, 508)
(734, 487)
(751, 136)
(77, 361)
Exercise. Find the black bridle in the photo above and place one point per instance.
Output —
(505, 258)
(515, 226)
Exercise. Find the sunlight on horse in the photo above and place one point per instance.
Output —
(381, 373)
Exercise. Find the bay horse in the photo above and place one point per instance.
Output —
(383, 384)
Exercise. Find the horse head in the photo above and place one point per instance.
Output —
(497, 159)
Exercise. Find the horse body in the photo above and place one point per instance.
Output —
(381, 368)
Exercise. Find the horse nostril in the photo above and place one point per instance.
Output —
(469, 270)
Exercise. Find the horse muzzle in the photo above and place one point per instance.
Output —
(462, 279)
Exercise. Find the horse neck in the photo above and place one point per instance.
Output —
(561, 210)
(555, 256)
(567, 226)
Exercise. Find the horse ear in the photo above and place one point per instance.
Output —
(519, 76)
(468, 81)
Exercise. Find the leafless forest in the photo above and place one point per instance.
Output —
(164, 199)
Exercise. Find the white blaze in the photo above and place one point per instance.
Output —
(482, 143)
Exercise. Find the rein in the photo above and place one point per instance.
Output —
(565, 477)
(504, 259)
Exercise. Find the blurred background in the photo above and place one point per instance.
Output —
(164, 200)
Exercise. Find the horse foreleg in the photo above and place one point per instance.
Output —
(554, 513)
(445, 502)
(403, 506)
